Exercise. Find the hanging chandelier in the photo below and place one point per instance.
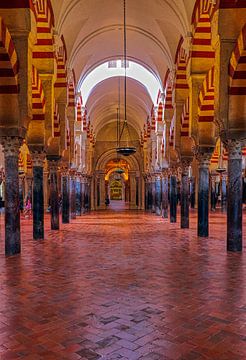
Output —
(127, 149)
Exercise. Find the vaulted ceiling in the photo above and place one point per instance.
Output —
(93, 32)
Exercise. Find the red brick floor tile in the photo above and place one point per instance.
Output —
(123, 285)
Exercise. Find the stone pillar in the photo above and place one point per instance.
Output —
(132, 179)
(83, 194)
(78, 196)
(65, 198)
(102, 195)
(38, 195)
(173, 198)
(86, 195)
(192, 192)
(234, 201)
(46, 189)
(158, 195)
(145, 193)
(153, 193)
(72, 195)
(223, 188)
(203, 194)
(90, 193)
(185, 194)
(21, 191)
(164, 187)
(213, 193)
(29, 180)
(11, 146)
(138, 188)
(149, 194)
(54, 194)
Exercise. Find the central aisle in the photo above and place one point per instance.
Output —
(123, 285)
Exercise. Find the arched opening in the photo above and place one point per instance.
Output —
(115, 68)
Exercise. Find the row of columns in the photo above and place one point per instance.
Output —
(161, 194)
(75, 194)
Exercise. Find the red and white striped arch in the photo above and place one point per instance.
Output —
(215, 156)
(168, 93)
(28, 162)
(56, 124)
(201, 21)
(61, 81)
(45, 22)
(171, 135)
(71, 91)
(181, 82)
(206, 99)
(79, 109)
(237, 67)
(153, 119)
(184, 131)
(38, 99)
(160, 113)
(21, 162)
(8, 62)
(84, 118)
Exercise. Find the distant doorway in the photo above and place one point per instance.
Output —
(116, 190)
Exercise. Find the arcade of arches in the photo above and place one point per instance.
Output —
(62, 103)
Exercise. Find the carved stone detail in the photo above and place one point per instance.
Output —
(234, 148)
(185, 165)
(203, 156)
(38, 158)
(11, 145)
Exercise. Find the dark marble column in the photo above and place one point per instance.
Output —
(223, 187)
(65, 198)
(203, 194)
(173, 199)
(165, 194)
(192, 192)
(234, 200)
(158, 195)
(213, 194)
(11, 147)
(83, 209)
(38, 195)
(21, 192)
(184, 196)
(29, 180)
(89, 193)
(153, 193)
(78, 196)
(72, 196)
(150, 196)
(54, 195)
(145, 194)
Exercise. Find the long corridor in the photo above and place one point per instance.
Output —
(123, 285)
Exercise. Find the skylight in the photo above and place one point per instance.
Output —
(116, 68)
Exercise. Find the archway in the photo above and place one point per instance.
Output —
(118, 179)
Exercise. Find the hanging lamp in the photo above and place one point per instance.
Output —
(127, 149)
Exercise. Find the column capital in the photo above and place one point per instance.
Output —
(53, 161)
(185, 164)
(203, 155)
(38, 158)
(234, 148)
(165, 172)
(11, 145)
(173, 171)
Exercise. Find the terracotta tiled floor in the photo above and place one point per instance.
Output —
(123, 285)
